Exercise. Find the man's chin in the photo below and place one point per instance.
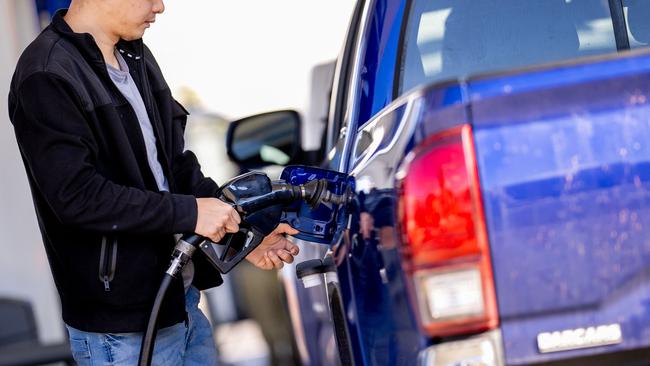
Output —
(132, 37)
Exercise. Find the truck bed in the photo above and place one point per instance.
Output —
(563, 154)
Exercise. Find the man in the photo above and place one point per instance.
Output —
(102, 142)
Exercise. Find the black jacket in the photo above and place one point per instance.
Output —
(107, 230)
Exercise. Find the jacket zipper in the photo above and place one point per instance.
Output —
(107, 262)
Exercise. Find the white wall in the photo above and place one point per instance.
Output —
(24, 271)
(247, 56)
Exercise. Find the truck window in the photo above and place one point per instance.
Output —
(455, 39)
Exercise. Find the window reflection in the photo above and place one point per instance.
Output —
(448, 40)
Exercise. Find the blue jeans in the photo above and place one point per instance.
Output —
(181, 344)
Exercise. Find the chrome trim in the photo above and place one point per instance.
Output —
(185, 248)
(183, 252)
(408, 122)
(578, 338)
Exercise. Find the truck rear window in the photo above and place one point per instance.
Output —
(449, 39)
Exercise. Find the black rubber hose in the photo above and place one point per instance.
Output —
(273, 198)
(149, 339)
(193, 239)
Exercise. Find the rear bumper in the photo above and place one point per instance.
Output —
(486, 349)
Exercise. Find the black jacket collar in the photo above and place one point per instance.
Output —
(86, 43)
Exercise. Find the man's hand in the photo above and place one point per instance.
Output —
(215, 218)
(275, 249)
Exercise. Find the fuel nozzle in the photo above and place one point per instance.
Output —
(260, 204)
(313, 193)
(316, 192)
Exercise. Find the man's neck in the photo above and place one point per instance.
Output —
(82, 20)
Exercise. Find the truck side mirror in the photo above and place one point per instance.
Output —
(265, 139)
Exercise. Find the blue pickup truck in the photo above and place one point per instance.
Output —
(497, 156)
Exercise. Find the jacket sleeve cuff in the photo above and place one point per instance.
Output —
(185, 213)
(207, 188)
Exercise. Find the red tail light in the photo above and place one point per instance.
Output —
(445, 249)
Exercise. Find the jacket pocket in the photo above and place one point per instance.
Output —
(107, 262)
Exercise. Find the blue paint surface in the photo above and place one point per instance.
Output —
(564, 163)
(380, 61)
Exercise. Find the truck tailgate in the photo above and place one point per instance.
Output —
(564, 163)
